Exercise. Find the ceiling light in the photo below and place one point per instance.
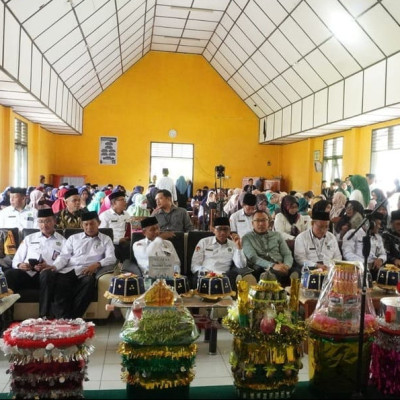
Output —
(193, 9)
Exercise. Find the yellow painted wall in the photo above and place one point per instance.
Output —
(166, 91)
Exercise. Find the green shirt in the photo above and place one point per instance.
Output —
(266, 249)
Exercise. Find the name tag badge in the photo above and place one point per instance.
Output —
(55, 255)
(30, 219)
(312, 248)
(209, 250)
(241, 220)
(12, 216)
(114, 221)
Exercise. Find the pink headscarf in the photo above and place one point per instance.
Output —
(59, 204)
(105, 205)
(35, 196)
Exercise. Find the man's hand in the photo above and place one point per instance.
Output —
(24, 266)
(91, 269)
(167, 235)
(397, 262)
(238, 242)
(377, 263)
(43, 266)
(124, 239)
(281, 268)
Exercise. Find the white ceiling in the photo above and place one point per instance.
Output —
(305, 67)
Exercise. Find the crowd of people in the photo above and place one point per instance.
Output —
(254, 231)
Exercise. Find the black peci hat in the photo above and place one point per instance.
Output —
(319, 215)
(89, 215)
(18, 190)
(249, 199)
(70, 192)
(116, 194)
(45, 212)
(395, 215)
(149, 221)
(221, 221)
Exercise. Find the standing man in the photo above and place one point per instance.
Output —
(83, 256)
(153, 245)
(168, 183)
(18, 214)
(266, 250)
(219, 253)
(71, 216)
(316, 244)
(31, 267)
(241, 220)
(116, 218)
(170, 217)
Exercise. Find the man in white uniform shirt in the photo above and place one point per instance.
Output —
(83, 256)
(241, 221)
(353, 248)
(316, 244)
(153, 245)
(218, 253)
(31, 267)
(18, 214)
(168, 183)
(116, 218)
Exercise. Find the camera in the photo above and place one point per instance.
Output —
(220, 171)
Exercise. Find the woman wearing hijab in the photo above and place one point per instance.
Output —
(136, 190)
(360, 190)
(59, 203)
(38, 200)
(350, 218)
(339, 201)
(181, 192)
(205, 210)
(95, 204)
(139, 209)
(289, 222)
(85, 196)
(273, 203)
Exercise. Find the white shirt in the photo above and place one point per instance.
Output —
(356, 194)
(144, 248)
(210, 255)
(308, 247)
(167, 183)
(241, 223)
(283, 226)
(80, 251)
(353, 248)
(12, 218)
(38, 246)
(117, 222)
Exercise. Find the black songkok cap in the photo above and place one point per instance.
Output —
(149, 221)
(320, 215)
(18, 190)
(116, 194)
(89, 215)
(395, 215)
(249, 199)
(45, 212)
(70, 192)
(221, 221)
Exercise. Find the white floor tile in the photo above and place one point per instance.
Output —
(111, 372)
(112, 385)
(91, 385)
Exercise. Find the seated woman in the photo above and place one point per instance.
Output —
(273, 203)
(205, 209)
(338, 204)
(350, 218)
(289, 222)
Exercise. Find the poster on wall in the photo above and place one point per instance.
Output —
(108, 150)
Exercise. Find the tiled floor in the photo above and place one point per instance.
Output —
(104, 366)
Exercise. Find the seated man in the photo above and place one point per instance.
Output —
(116, 218)
(18, 214)
(316, 244)
(34, 258)
(241, 221)
(71, 217)
(353, 248)
(170, 217)
(153, 245)
(266, 250)
(391, 239)
(82, 257)
(219, 253)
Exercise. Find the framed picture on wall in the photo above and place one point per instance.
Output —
(317, 155)
(108, 150)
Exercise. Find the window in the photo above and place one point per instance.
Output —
(177, 157)
(385, 153)
(333, 159)
(20, 153)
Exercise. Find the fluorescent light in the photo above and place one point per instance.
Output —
(193, 9)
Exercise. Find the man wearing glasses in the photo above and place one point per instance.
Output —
(266, 250)
(219, 253)
(31, 267)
